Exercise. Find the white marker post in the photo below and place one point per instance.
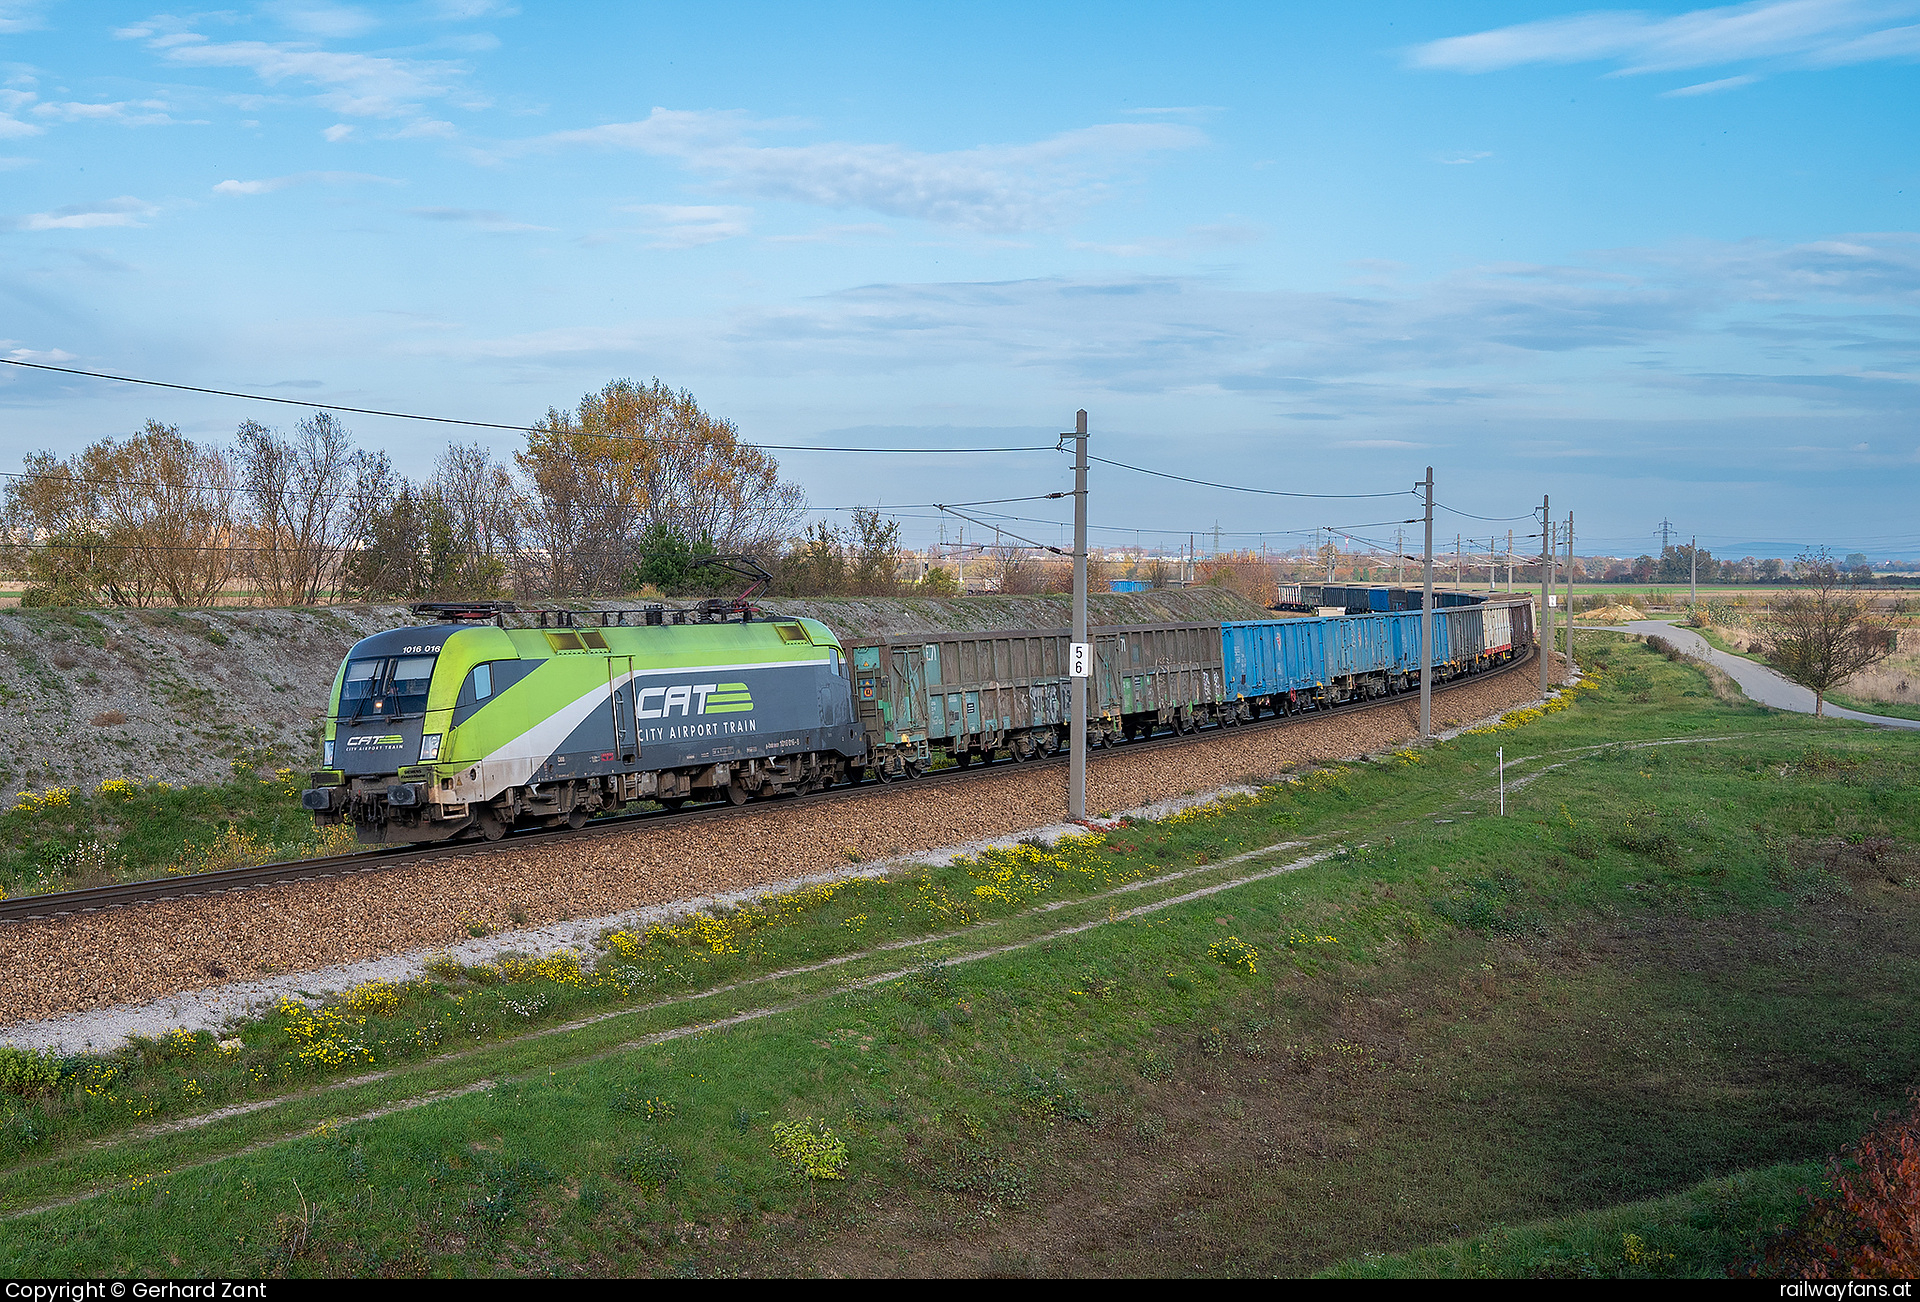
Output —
(1080, 659)
(1503, 781)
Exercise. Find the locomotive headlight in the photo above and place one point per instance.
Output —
(430, 747)
(327, 763)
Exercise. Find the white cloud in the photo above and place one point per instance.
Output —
(126, 113)
(1466, 160)
(337, 132)
(485, 218)
(271, 184)
(52, 355)
(426, 129)
(21, 16)
(124, 211)
(1190, 243)
(1710, 87)
(990, 188)
(844, 234)
(1807, 33)
(1539, 338)
(13, 102)
(318, 19)
(356, 85)
(462, 11)
(13, 164)
(678, 226)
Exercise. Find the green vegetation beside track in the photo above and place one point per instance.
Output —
(64, 838)
(1355, 1014)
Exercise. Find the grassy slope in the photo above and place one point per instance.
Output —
(1669, 963)
(1895, 709)
(70, 837)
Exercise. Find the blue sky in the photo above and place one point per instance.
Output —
(1657, 263)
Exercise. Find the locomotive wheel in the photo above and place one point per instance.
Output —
(490, 825)
(737, 794)
(577, 817)
(883, 773)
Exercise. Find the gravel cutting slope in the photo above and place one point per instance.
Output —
(73, 964)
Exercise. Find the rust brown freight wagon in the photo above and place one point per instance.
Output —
(977, 694)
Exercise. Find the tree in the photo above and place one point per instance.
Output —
(876, 554)
(816, 564)
(473, 501)
(668, 561)
(132, 522)
(937, 582)
(454, 536)
(1016, 571)
(1818, 634)
(634, 456)
(296, 490)
(390, 558)
(1676, 564)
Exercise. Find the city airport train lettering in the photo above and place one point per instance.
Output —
(689, 731)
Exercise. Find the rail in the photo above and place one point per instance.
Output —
(158, 890)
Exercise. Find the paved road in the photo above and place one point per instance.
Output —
(1759, 682)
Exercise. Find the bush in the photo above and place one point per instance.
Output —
(650, 1165)
(28, 1071)
(811, 1149)
(1868, 1226)
(1644, 836)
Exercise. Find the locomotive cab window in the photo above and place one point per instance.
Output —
(386, 685)
(482, 682)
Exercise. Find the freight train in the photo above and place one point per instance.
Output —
(470, 727)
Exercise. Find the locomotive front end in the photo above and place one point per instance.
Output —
(391, 710)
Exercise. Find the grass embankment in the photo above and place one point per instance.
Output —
(1892, 709)
(1718, 641)
(64, 838)
(1670, 963)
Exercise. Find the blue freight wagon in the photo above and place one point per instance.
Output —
(1277, 665)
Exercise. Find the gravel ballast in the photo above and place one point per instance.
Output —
(132, 955)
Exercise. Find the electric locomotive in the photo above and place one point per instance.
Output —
(469, 725)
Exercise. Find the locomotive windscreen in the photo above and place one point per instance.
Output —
(386, 685)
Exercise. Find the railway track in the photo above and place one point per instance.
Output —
(156, 890)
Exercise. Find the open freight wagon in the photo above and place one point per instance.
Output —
(974, 694)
